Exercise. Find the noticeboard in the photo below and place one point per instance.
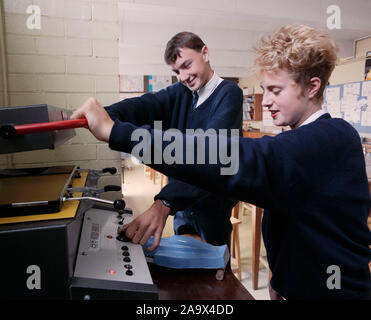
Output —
(351, 102)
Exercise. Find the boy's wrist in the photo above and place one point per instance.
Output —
(164, 206)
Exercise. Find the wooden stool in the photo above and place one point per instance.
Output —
(235, 243)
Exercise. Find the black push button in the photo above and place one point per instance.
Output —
(129, 273)
(122, 237)
(124, 248)
(126, 259)
(126, 253)
(128, 266)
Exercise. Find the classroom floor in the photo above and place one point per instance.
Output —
(139, 191)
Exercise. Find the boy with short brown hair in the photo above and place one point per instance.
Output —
(200, 100)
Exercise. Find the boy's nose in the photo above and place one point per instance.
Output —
(267, 101)
(183, 76)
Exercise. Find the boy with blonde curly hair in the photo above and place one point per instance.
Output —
(311, 180)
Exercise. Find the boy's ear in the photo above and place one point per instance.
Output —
(205, 53)
(314, 87)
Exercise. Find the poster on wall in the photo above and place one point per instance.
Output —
(157, 83)
(131, 84)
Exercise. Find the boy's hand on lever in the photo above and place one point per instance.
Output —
(99, 122)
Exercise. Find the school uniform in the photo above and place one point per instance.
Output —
(218, 105)
(312, 184)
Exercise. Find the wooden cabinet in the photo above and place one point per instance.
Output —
(254, 102)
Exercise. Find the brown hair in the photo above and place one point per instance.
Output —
(302, 51)
(182, 40)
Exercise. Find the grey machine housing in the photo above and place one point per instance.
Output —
(35, 141)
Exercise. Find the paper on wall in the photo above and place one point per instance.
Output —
(130, 83)
(334, 107)
(348, 103)
(366, 89)
(157, 83)
(333, 94)
(366, 118)
(351, 89)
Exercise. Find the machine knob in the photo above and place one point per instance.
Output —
(119, 204)
(122, 237)
(112, 170)
(111, 188)
(7, 131)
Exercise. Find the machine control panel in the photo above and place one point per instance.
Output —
(105, 255)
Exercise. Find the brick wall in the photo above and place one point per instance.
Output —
(72, 57)
(147, 25)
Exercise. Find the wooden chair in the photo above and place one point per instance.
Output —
(257, 214)
(147, 171)
(246, 206)
(235, 243)
(152, 175)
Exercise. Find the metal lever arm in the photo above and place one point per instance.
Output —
(117, 204)
(111, 170)
(95, 190)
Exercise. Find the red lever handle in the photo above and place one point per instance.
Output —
(8, 131)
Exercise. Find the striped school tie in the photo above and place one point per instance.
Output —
(195, 99)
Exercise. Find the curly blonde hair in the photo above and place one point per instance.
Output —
(302, 51)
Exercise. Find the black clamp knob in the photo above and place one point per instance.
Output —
(119, 205)
(111, 188)
(111, 170)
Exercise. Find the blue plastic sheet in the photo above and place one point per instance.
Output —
(181, 252)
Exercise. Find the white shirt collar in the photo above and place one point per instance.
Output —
(208, 88)
(314, 117)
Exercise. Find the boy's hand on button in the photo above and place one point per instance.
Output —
(149, 223)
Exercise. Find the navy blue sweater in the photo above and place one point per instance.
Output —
(221, 110)
(312, 183)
